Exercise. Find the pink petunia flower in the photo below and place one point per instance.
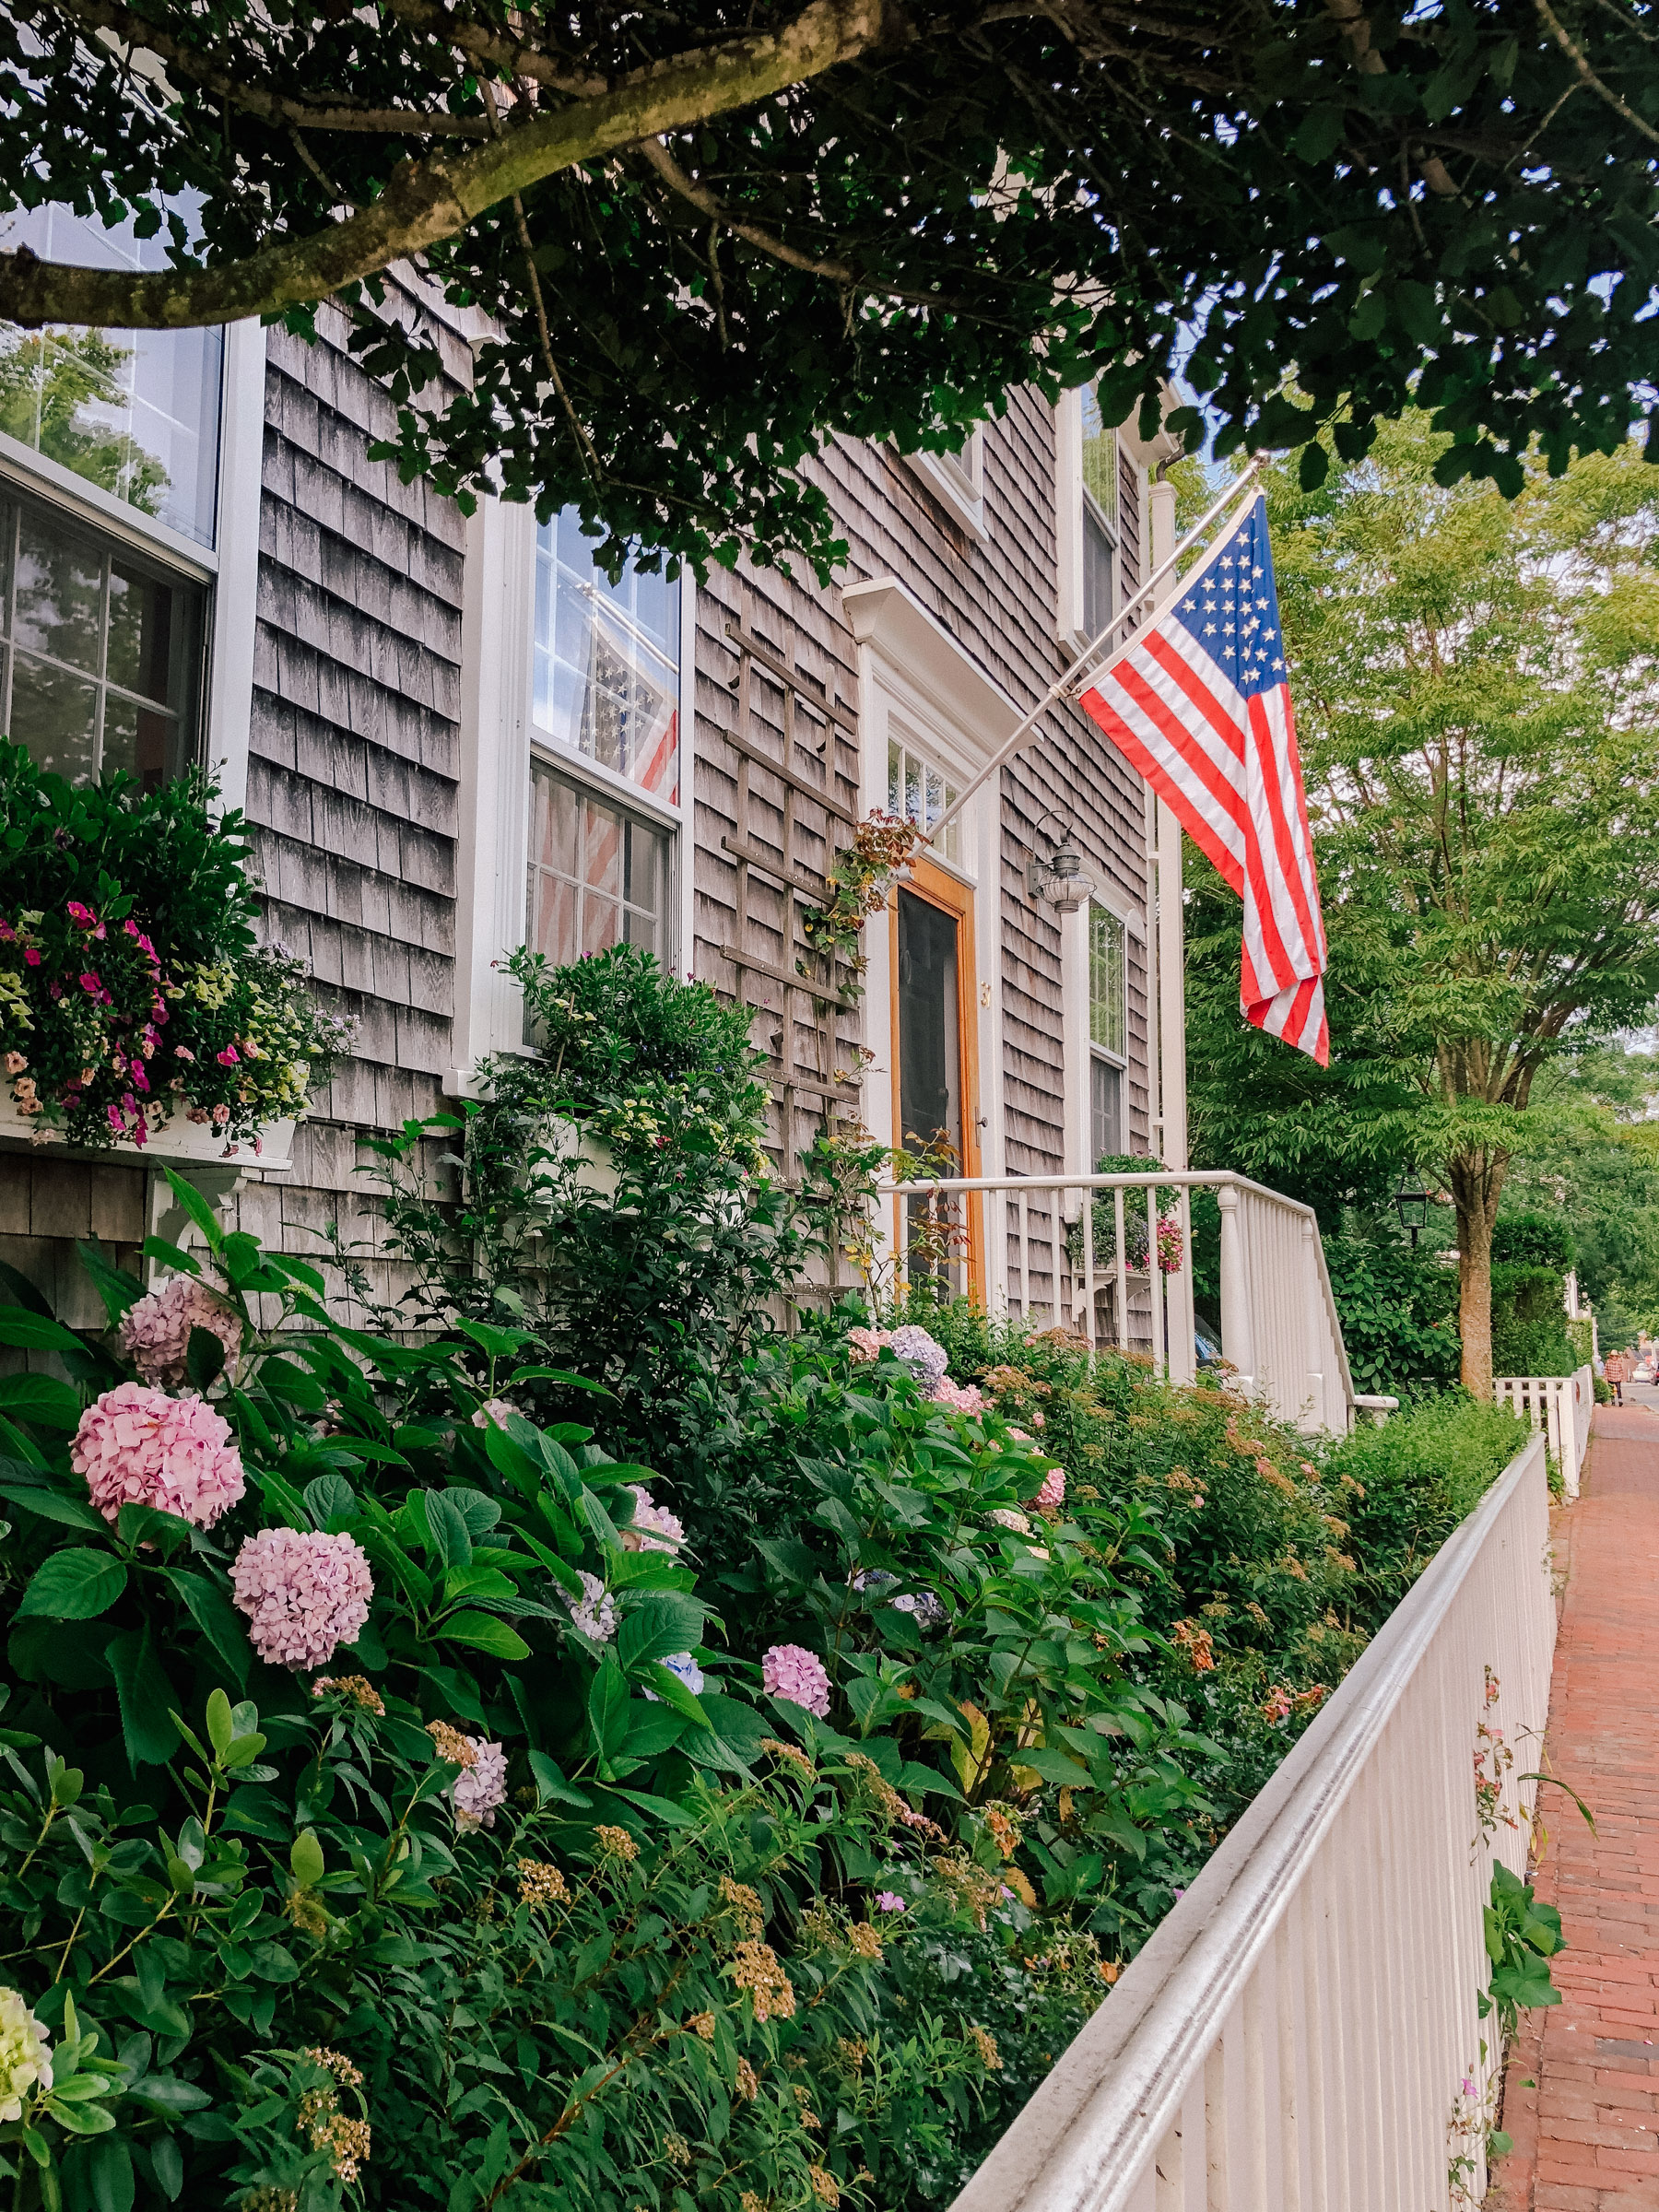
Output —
(138, 1446)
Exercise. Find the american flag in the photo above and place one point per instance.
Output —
(1200, 704)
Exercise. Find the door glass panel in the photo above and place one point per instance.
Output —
(930, 1054)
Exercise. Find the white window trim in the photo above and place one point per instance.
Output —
(1078, 1045)
(499, 739)
(229, 570)
(957, 482)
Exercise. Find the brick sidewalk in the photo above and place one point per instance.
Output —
(1587, 2135)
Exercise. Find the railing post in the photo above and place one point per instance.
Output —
(1238, 1336)
(1313, 1327)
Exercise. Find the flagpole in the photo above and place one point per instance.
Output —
(1232, 496)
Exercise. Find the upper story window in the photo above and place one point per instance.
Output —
(134, 412)
(606, 661)
(598, 874)
(100, 652)
(957, 481)
(919, 793)
(1108, 1031)
(1098, 496)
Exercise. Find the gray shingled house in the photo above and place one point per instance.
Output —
(453, 736)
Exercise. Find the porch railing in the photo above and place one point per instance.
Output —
(1095, 1253)
(1561, 1407)
(1296, 2035)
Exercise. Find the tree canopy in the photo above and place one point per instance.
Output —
(708, 233)
(1476, 689)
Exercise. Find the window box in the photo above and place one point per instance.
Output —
(173, 1141)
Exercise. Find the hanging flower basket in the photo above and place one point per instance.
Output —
(138, 1013)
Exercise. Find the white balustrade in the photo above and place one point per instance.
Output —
(1295, 2035)
(1561, 1407)
(1052, 1259)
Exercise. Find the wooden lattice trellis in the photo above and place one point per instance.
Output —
(796, 768)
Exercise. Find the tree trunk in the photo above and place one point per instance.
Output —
(1477, 1181)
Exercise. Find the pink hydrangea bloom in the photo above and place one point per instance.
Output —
(1051, 1496)
(304, 1595)
(155, 1333)
(654, 1528)
(138, 1446)
(960, 1397)
(493, 1410)
(480, 1789)
(1021, 1436)
(1005, 1517)
(790, 1671)
(864, 1344)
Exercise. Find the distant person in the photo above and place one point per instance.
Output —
(1620, 1367)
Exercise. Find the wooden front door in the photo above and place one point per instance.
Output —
(936, 1086)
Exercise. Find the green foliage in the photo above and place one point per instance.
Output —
(1529, 1323)
(131, 987)
(1534, 1241)
(670, 344)
(1522, 1937)
(1477, 708)
(48, 383)
(1409, 1483)
(1396, 1308)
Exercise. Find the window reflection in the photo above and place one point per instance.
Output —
(100, 657)
(606, 661)
(134, 412)
(598, 876)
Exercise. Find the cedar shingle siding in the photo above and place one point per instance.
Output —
(355, 752)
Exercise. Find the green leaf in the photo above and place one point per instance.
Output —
(204, 1358)
(330, 1498)
(664, 1622)
(167, 2163)
(673, 1691)
(211, 1609)
(198, 1208)
(221, 1727)
(36, 1332)
(284, 1501)
(734, 1736)
(448, 1524)
(75, 1585)
(608, 1708)
(305, 1859)
(55, 1505)
(110, 2167)
(499, 1344)
(28, 1295)
(41, 1399)
(146, 1698)
(551, 1785)
(115, 1287)
(81, 2119)
(484, 1632)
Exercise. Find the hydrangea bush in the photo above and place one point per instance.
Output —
(131, 989)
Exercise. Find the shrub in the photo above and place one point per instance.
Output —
(131, 987)
(1398, 1314)
(1529, 1322)
(525, 1883)
(1411, 1481)
(1534, 1241)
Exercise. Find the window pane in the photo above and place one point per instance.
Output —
(54, 717)
(1100, 457)
(1106, 1109)
(895, 778)
(1108, 982)
(1100, 571)
(140, 649)
(597, 875)
(107, 645)
(134, 412)
(58, 604)
(606, 660)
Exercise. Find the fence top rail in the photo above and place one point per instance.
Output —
(1080, 2144)
(1182, 1177)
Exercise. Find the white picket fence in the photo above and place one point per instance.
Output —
(1295, 2035)
(1560, 1405)
(1072, 1252)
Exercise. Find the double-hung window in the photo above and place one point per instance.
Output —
(1089, 527)
(109, 471)
(1108, 1032)
(606, 726)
